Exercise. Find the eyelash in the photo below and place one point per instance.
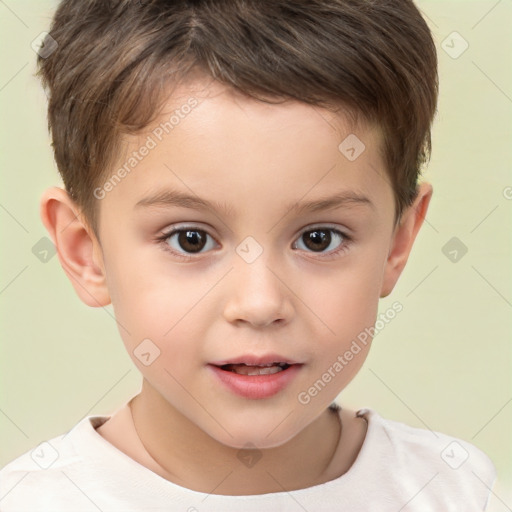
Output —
(162, 240)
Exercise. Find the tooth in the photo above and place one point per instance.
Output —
(253, 370)
(265, 371)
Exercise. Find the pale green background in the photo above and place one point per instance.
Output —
(444, 362)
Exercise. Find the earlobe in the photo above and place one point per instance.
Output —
(77, 247)
(403, 238)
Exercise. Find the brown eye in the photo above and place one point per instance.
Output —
(186, 241)
(323, 240)
(191, 241)
(317, 240)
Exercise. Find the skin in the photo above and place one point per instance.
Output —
(291, 300)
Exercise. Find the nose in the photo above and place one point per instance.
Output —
(257, 295)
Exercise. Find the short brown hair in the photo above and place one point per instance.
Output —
(107, 76)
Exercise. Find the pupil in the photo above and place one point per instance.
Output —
(189, 240)
(321, 237)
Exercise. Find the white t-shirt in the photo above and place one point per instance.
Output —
(398, 468)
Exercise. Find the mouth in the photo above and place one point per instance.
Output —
(262, 369)
(256, 377)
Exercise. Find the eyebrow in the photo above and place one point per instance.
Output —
(169, 198)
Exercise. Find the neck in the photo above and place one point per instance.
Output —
(189, 457)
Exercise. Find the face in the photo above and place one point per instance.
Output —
(258, 274)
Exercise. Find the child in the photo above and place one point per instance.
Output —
(207, 147)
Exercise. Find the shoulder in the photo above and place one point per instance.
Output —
(424, 457)
(45, 476)
(427, 444)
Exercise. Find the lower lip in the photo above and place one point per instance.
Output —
(256, 387)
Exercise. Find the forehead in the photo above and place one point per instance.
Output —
(222, 104)
(212, 141)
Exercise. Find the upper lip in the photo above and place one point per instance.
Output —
(256, 360)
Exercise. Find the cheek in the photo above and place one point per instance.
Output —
(151, 302)
(347, 302)
(347, 298)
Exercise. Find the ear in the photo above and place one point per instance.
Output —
(403, 238)
(77, 247)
